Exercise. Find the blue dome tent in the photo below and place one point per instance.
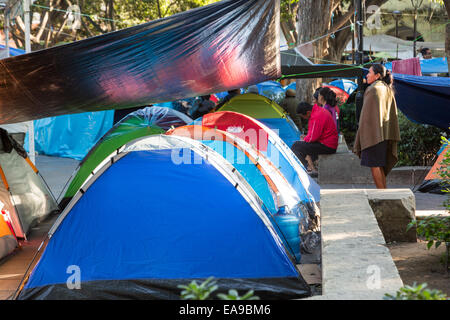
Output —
(136, 230)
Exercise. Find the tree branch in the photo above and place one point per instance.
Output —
(343, 19)
(42, 26)
(96, 26)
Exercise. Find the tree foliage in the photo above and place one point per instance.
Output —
(97, 17)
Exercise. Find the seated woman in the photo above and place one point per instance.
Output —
(327, 98)
(322, 137)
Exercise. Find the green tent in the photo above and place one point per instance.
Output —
(255, 106)
(266, 111)
(133, 126)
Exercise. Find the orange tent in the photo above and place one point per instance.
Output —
(433, 173)
(8, 241)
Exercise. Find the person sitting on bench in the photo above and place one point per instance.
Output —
(322, 137)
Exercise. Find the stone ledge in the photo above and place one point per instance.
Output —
(356, 264)
(394, 209)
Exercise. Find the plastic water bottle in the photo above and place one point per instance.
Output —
(288, 225)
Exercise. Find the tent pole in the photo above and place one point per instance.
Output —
(359, 58)
(26, 9)
(6, 30)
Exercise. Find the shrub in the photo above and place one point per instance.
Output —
(444, 173)
(419, 142)
(347, 123)
(416, 292)
(203, 291)
(435, 230)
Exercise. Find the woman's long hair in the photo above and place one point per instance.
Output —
(385, 74)
(329, 96)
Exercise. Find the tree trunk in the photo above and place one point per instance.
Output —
(314, 21)
(338, 44)
(314, 18)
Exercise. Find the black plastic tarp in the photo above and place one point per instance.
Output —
(167, 289)
(222, 46)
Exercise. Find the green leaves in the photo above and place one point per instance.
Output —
(419, 143)
(233, 295)
(435, 230)
(194, 291)
(416, 292)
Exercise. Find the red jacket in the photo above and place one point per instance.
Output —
(321, 128)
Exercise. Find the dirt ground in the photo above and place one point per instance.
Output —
(416, 263)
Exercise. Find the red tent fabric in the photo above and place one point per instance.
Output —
(341, 95)
(248, 129)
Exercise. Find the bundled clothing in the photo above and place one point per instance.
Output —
(289, 104)
(407, 66)
(379, 132)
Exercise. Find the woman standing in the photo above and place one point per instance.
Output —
(378, 131)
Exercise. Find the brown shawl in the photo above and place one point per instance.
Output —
(378, 122)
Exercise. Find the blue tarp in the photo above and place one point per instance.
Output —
(434, 65)
(346, 85)
(272, 90)
(424, 99)
(71, 136)
(141, 221)
(13, 51)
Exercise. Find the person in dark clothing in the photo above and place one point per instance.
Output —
(289, 104)
(426, 53)
(231, 94)
(204, 106)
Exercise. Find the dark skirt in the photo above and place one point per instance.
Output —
(375, 156)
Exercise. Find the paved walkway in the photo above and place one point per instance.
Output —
(426, 203)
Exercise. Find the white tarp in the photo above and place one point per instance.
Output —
(30, 201)
(388, 44)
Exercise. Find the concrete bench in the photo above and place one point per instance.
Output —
(344, 167)
(356, 264)
(394, 209)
